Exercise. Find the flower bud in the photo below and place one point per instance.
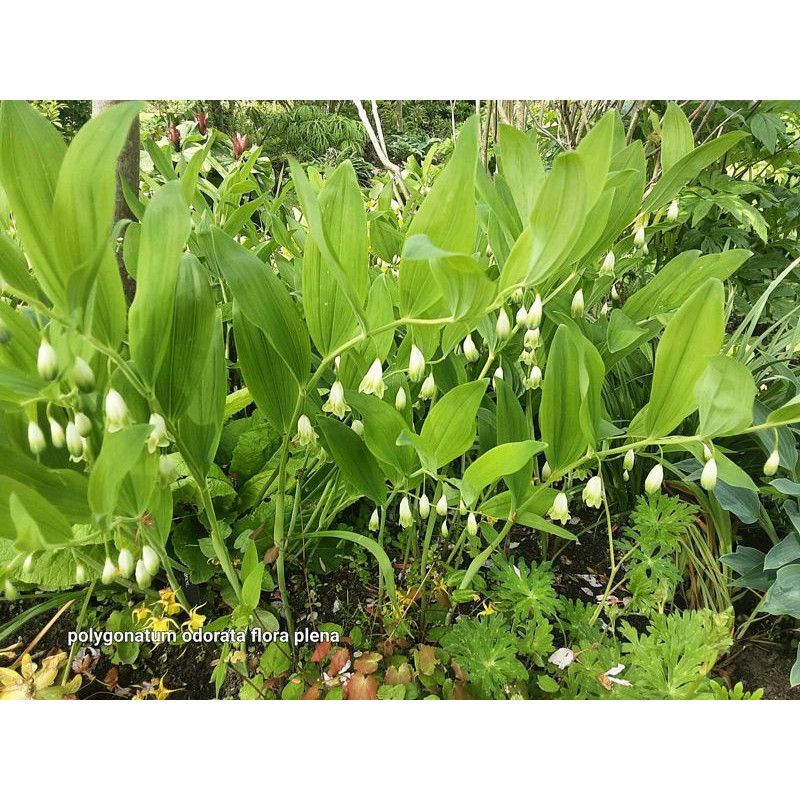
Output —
(604, 309)
(577, 307)
(36, 440)
(654, 479)
(428, 389)
(628, 461)
(462, 509)
(150, 559)
(372, 382)
(358, 426)
(470, 351)
(522, 315)
(672, 211)
(560, 509)
(708, 480)
(441, 505)
(424, 507)
(535, 378)
(416, 364)
(374, 520)
(83, 424)
(498, 374)
(472, 524)
(80, 573)
(607, 269)
(126, 562)
(638, 237)
(167, 467)
(772, 463)
(593, 492)
(445, 530)
(532, 338)
(518, 295)
(335, 403)
(626, 475)
(546, 471)
(27, 564)
(142, 575)
(82, 375)
(406, 520)
(47, 361)
(400, 399)
(306, 435)
(534, 318)
(614, 293)
(9, 590)
(528, 358)
(158, 436)
(74, 441)
(56, 434)
(109, 572)
(503, 325)
(116, 411)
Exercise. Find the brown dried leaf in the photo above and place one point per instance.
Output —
(321, 652)
(339, 658)
(362, 687)
(367, 663)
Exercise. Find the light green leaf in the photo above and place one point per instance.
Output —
(724, 395)
(505, 459)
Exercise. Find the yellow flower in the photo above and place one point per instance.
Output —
(33, 683)
(161, 624)
(488, 609)
(195, 621)
(168, 601)
(140, 614)
(158, 690)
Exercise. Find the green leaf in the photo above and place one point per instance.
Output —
(36, 523)
(31, 153)
(353, 458)
(521, 166)
(448, 217)
(690, 339)
(191, 330)
(783, 596)
(384, 564)
(331, 319)
(118, 455)
(269, 379)
(251, 587)
(164, 232)
(724, 395)
(513, 426)
(677, 139)
(688, 168)
(264, 300)
(505, 459)
(383, 424)
(570, 394)
(449, 428)
(787, 414)
(555, 225)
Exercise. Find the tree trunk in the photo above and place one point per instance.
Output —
(127, 170)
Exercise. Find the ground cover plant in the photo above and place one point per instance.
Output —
(514, 417)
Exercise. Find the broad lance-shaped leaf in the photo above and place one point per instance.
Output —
(30, 519)
(555, 225)
(466, 289)
(448, 218)
(118, 455)
(513, 426)
(164, 232)
(787, 414)
(677, 139)
(269, 379)
(200, 428)
(725, 395)
(31, 152)
(83, 205)
(449, 428)
(263, 299)
(688, 168)
(521, 166)
(570, 410)
(331, 319)
(383, 423)
(690, 339)
(353, 458)
(505, 459)
(193, 318)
